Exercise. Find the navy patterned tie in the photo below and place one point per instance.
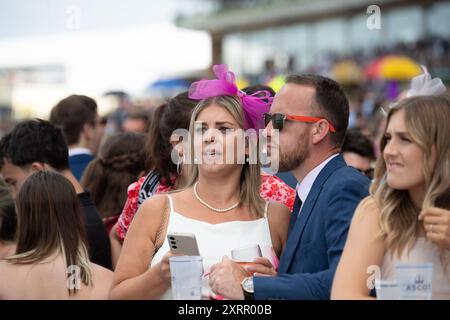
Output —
(295, 211)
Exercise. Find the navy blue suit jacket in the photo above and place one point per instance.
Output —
(78, 163)
(317, 237)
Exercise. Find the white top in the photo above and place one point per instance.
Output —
(79, 150)
(217, 240)
(423, 251)
(304, 186)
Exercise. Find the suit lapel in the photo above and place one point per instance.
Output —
(300, 223)
(294, 215)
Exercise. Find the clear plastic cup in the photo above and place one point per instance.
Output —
(414, 281)
(186, 272)
(386, 289)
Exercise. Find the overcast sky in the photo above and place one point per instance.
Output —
(31, 17)
(101, 45)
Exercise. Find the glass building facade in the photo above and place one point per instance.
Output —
(306, 43)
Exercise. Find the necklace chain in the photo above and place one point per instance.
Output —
(209, 206)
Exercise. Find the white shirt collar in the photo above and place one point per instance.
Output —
(79, 150)
(304, 186)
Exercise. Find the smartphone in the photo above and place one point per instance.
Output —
(183, 243)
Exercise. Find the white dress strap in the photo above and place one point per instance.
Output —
(170, 203)
(265, 209)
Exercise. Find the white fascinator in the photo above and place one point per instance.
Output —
(422, 85)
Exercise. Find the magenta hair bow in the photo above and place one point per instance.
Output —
(254, 105)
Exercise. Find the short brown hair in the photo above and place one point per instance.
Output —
(72, 113)
(330, 102)
(140, 113)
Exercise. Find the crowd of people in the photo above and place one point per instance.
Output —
(84, 214)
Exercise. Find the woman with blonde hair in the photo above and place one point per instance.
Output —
(165, 175)
(51, 260)
(221, 204)
(406, 217)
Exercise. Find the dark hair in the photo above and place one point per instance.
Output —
(35, 141)
(121, 95)
(139, 113)
(72, 113)
(121, 159)
(355, 141)
(49, 220)
(8, 219)
(175, 114)
(330, 102)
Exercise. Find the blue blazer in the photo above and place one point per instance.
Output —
(317, 238)
(78, 163)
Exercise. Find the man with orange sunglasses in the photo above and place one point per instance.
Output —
(278, 120)
(310, 117)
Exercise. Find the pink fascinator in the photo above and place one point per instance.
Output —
(254, 105)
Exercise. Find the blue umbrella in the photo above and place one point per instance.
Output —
(165, 88)
(168, 84)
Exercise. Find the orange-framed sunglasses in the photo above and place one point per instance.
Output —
(278, 120)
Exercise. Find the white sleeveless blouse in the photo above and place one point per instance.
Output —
(423, 251)
(217, 240)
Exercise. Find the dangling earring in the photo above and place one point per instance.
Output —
(179, 164)
(247, 159)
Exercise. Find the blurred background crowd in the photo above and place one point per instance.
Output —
(114, 77)
(130, 58)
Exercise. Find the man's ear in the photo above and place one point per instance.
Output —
(319, 131)
(38, 166)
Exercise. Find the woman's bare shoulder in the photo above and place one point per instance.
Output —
(101, 272)
(155, 200)
(6, 249)
(367, 209)
(5, 268)
(102, 282)
(278, 216)
(277, 211)
(153, 206)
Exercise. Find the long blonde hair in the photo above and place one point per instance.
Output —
(250, 181)
(427, 121)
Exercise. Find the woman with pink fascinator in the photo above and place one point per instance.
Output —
(221, 204)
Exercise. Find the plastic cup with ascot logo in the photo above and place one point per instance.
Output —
(386, 289)
(414, 281)
(186, 272)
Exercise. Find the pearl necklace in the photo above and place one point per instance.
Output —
(211, 207)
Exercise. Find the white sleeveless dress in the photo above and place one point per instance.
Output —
(423, 251)
(217, 240)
